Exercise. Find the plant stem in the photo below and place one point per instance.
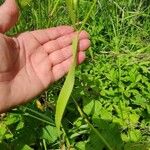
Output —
(44, 144)
(88, 15)
(43, 117)
(91, 126)
(55, 7)
(67, 140)
(40, 119)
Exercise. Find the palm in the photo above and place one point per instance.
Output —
(34, 60)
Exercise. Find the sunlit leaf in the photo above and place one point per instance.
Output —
(71, 11)
(24, 3)
(67, 87)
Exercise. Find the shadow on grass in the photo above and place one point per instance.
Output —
(111, 133)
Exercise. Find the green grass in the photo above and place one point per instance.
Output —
(112, 87)
(68, 85)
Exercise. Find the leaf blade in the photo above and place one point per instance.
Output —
(71, 11)
(67, 87)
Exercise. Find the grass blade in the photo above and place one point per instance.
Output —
(70, 79)
(67, 87)
(39, 115)
(71, 11)
(55, 7)
(37, 118)
(88, 15)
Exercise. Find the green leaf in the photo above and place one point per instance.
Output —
(20, 125)
(26, 147)
(136, 146)
(3, 130)
(8, 136)
(70, 79)
(97, 109)
(96, 132)
(88, 106)
(49, 133)
(72, 14)
(67, 87)
(24, 3)
(134, 118)
(81, 145)
(135, 135)
(105, 114)
(94, 142)
(12, 118)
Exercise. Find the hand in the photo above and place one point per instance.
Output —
(33, 60)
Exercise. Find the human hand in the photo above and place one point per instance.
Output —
(33, 60)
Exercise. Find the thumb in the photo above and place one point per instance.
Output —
(9, 13)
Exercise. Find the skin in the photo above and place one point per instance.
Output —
(33, 60)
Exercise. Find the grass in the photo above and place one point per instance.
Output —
(112, 87)
(70, 79)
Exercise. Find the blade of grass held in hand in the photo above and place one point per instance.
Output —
(70, 79)
(67, 87)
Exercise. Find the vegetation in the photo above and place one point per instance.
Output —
(109, 107)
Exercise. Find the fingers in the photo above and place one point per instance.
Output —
(65, 53)
(61, 69)
(43, 36)
(63, 41)
(9, 13)
(60, 57)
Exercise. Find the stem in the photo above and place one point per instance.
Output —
(91, 126)
(55, 7)
(44, 144)
(42, 120)
(88, 15)
(67, 140)
(43, 117)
